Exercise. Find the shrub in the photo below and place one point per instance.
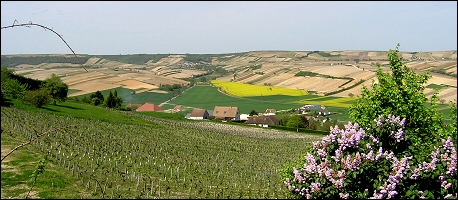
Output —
(38, 98)
(354, 163)
(56, 87)
(400, 93)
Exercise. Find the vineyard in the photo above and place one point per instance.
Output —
(162, 158)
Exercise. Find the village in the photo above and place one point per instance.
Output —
(232, 113)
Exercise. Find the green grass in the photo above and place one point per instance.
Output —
(138, 98)
(54, 183)
(82, 110)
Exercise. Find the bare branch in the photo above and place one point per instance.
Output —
(30, 141)
(46, 28)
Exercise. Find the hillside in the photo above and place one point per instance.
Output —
(131, 155)
(335, 73)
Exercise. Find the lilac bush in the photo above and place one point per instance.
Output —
(374, 162)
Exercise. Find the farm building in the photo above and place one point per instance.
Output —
(263, 121)
(150, 108)
(199, 114)
(324, 111)
(178, 108)
(133, 106)
(226, 113)
(244, 117)
(311, 107)
(270, 112)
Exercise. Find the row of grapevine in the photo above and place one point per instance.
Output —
(164, 159)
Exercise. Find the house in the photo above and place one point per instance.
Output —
(150, 108)
(324, 111)
(226, 113)
(199, 114)
(311, 107)
(210, 112)
(244, 117)
(133, 106)
(263, 121)
(178, 108)
(270, 112)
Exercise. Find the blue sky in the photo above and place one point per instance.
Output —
(215, 27)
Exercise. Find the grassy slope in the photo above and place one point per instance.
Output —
(18, 166)
(140, 98)
(246, 151)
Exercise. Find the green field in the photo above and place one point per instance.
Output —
(207, 97)
(140, 98)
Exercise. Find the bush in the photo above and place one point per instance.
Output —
(38, 98)
(400, 93)
(12, 88)
(353, 163)
(56, 87)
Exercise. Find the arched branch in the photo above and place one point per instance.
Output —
(46, 28)
(30, 141)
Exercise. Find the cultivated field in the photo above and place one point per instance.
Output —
(336, 72)
(246, 90)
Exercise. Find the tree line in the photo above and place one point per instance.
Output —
(10, 61)
(51, 90)
(36, 92)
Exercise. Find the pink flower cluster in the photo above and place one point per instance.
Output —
(396, 134)
(350, 137)
(319, 166)
(399, 169)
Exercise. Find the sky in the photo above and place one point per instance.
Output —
(218, 27)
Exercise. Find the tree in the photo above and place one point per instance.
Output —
(12, 88)
(203, 79)
(400, 93)
(97, 98)
(56, 87)
(110, 101)
(38, 98)
(253, 112)
(295, 121)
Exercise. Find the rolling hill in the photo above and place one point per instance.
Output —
(336, 73)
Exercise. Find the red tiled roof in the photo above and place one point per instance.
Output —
(225, 112)
(133, 106)
(150, 108)
(263, 120)
(178, 108)
(271, 111)
(198, 113)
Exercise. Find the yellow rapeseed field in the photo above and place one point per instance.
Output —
(247, 90)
